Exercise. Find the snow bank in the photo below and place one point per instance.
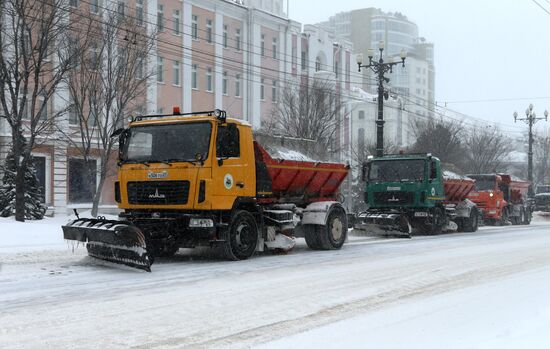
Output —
(36, 235)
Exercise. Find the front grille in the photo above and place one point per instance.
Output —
(393, 197)
(158, 193)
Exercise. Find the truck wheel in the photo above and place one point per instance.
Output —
(333, 235)
(167, 251)
(471, 224)
(527, 216)
(312, 237)
(504, 218)
(242, 236)
(330, 236)
(434, 226)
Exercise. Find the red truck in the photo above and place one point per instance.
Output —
(502, 198)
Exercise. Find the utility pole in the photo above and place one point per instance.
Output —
(530, 119)
(380, 68)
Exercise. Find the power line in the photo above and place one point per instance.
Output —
(208, 60)
(542, 7)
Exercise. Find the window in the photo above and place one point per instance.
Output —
(209, 79)
(274, 91)
(139, 69)
(274, 48)
(176, 73)
(73, 3)
(238, 39)
(209, 31)
(262, 50)
(361, 115)
(225, 36)
(238, 85)
(228, 145)
(43, 107)
(73, 115)
(304, 60)
(176, 22)
(82, 180)
(317, 64)
(92, 119)
(160, 69)
(121, 8)
(94, 56)
(195, 27)
(262, 89)
(294, 56)
(160, 17)
(139, 12)
(194, 83)
(336, 69)
(25, 112)
(94, 6)
(224, 83)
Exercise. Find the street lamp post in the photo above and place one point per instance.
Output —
(380, 68)
(530, 119)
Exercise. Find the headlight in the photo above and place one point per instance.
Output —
(201, 223)
(491, 194)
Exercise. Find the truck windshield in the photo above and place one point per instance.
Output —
(484, 183)
(173, 142)
(543, 189)
(396, 171)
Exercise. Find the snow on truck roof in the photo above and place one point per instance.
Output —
(282, 153)
(452, 175)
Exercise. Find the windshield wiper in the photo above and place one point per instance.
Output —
(192, 162)
(167, 162)
(135, 162)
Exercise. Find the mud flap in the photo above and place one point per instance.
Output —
(113, 241)
(383, 224)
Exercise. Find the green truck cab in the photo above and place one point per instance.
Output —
(407, 192)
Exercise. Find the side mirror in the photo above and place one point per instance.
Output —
(364, 172)
(117, 132)
(122, 134)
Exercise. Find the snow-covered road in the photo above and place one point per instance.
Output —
(456, 290)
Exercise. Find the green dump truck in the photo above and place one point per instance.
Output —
(410, 193)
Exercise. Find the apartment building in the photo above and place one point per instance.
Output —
(208, 54)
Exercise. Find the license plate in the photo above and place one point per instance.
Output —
(421, 214)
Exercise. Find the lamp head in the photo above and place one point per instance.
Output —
(370, 53)
(359, 59)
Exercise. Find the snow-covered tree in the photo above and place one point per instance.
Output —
(34, 208)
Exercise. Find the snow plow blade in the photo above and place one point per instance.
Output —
(383, 224)
(112, 241)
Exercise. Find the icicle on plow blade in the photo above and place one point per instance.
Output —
(383, 224)
(112, 241)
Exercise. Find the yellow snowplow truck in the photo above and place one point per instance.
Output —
(186, 180)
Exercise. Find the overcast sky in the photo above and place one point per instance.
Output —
(484, 50)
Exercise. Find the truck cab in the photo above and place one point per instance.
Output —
(502, 198)
(403, 181)
(490, 196)
(542, 198)
(402, 193)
